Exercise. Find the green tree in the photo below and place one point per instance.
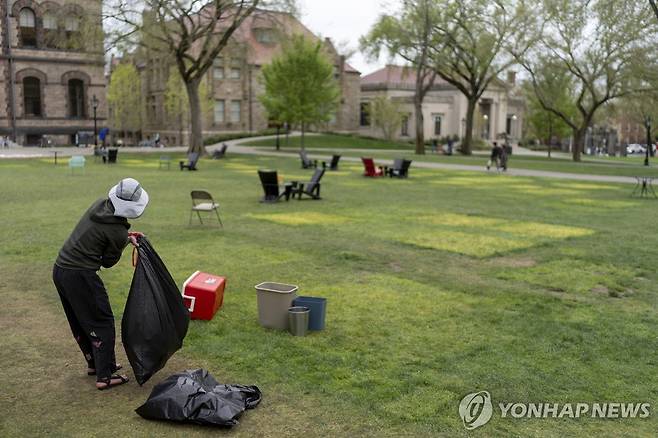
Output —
(300, 87)
(472, 41)
(641, 109)
(124, 97)
(604, 45)
(191, 33)
(387, 115)
(543, 124)
(407, 35)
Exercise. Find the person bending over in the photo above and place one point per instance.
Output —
(98, 240)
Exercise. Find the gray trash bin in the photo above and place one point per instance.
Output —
(298, 320)
(274, 300)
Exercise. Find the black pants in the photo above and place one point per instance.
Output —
(88, 311)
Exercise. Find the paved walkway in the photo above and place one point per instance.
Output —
(236, 148)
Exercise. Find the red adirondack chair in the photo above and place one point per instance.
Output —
(370, 169)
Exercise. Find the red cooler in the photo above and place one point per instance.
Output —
(203, 294)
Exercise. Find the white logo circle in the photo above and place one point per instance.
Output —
(475, 409)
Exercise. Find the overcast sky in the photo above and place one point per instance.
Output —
(345, 21)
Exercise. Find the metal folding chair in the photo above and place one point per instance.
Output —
(203, 201)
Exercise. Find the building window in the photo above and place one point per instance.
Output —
(236, 66)
(508, 124)
(28, 27)
(236, 110)
(265, 36)
(218, 68)
(72, 27)
(437, 124)
(50, 29)
(32, 97)
(76, 99)
(219, 111)
(365, 114)
(235, 73)
(404, 126)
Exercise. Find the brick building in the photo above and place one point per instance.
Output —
(235, 82)
(51, 65)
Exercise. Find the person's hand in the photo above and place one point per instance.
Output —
(133, 236)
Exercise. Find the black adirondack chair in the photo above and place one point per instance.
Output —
(311, 188)
(400, 168)
(220, 153)
(334, 163)
(306, 162)
(269, 179)
(192, 159)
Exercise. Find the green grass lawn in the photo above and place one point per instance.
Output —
(328, 141)
(626, 166)
(446, 283)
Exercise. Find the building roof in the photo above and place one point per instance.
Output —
(259, 53)
(404, 77)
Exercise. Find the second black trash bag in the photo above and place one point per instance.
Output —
(194, 396)
(155, 320)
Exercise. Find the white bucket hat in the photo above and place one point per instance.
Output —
(129, 198)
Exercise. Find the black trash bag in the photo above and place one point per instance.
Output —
(155, 319)
(194, 396)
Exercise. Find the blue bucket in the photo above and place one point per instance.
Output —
(318, 308)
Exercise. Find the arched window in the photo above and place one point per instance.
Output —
(32, 96)
(76, 99)
(50, 29)
(27, 27)
(71, 25)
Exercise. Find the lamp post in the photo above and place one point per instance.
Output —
(512, 130)
(94, 104)
(486, 126)
(278, 128)
(647, 123)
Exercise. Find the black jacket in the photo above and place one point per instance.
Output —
(98, 239)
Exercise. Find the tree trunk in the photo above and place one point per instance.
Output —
(420, 131)
(578, 142)
(550, 136)
(468, 135)
(196, 137)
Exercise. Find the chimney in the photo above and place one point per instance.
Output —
(511, 77)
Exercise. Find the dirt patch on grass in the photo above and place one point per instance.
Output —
(514, 262)
(395, 267)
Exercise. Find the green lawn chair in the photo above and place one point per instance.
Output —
(77, 162)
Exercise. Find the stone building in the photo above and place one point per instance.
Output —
(235, 82)
(499, 111)
(51, 66)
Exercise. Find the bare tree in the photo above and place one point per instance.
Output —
(387, 115)
(192, 33)
(408, 35)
